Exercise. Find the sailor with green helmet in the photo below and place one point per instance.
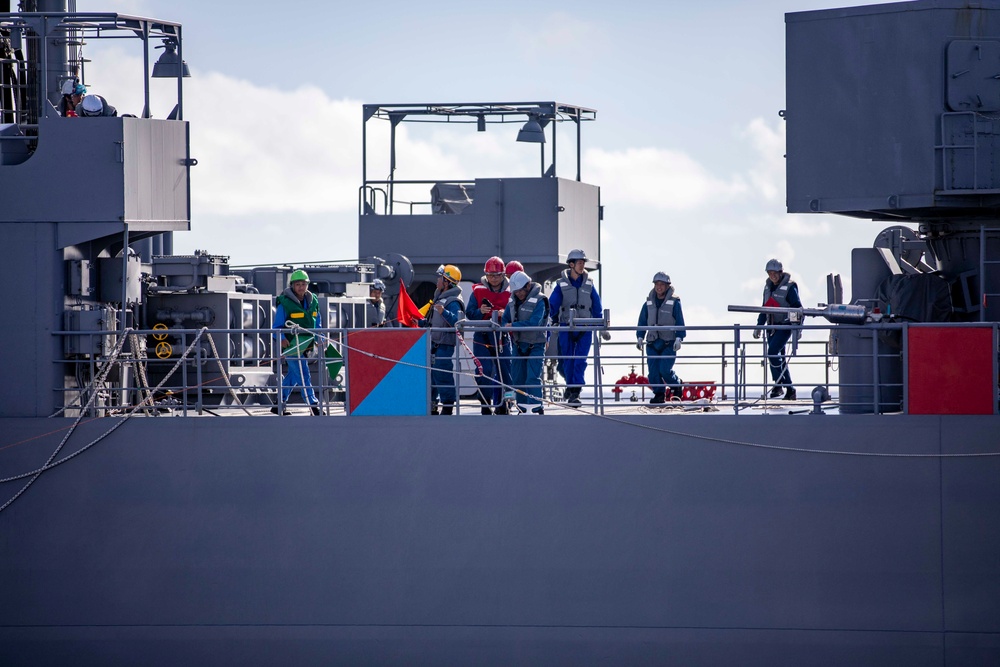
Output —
(300, 307)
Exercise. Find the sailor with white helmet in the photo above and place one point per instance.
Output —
(296, 304)
(73, 93)
(574, 293)
(375, 308)
(448, 308)
(95, 105)
(527, 307)
(779, 291)
(662, 309)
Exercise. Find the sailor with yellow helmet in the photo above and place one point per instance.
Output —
(447, 310)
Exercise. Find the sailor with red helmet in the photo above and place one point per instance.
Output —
(513, 266)
(491, 348)
(779, 291)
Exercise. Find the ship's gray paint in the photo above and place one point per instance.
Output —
(535, 220)
(868, 92)
(550, 541)
(124, 170)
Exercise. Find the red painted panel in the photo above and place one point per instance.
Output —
(363, 371)
(950, 370)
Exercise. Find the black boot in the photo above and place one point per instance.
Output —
(659, 398)
(790, 394)
(573, 397)
(447, 408)
(776, 391)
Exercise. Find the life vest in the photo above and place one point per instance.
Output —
(521, 311)
(374, 315)
(662, 316)
(579, 298)
(484, 292)
(776, 296)
(437, 319)
(303, 314)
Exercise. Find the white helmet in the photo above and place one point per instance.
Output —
(773, 265)
(91, 106)
(519, 280)
(575, 255)
(661, 277)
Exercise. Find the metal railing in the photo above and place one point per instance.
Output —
(845, 368)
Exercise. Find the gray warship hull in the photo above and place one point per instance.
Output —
(413, 541)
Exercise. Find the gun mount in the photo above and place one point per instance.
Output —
(837, 313)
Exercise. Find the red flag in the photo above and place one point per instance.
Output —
(406, 311)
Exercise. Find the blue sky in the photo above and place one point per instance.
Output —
(687, 146)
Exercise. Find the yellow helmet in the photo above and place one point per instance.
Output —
(450, 272)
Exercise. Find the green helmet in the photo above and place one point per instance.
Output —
(298, 275)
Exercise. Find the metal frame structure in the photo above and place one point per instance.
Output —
(61, 30)
(547, 114)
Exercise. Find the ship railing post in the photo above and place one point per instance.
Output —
(906, 369)
(184, 377)
(342, 333)
(93, 376)
(826, 355)
(198, 379)
(722, 370)
(737, 370)
(875, 385)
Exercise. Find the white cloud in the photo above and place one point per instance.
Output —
(259, 149)
(768, 174)
(661, 179)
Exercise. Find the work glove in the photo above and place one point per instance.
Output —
(639, 345)
(605, 335)
(677, 344)
(756, 333)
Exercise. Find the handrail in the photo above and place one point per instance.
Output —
(862, 372)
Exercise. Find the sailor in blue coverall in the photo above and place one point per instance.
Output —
(574, 292)
(662, 308)
(779, 291)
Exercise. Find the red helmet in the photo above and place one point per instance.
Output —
(493, 265)
(513, 267)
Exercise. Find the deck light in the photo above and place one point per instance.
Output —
(532, 132)
(168, 62)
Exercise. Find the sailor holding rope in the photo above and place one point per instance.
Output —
(297, 308)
